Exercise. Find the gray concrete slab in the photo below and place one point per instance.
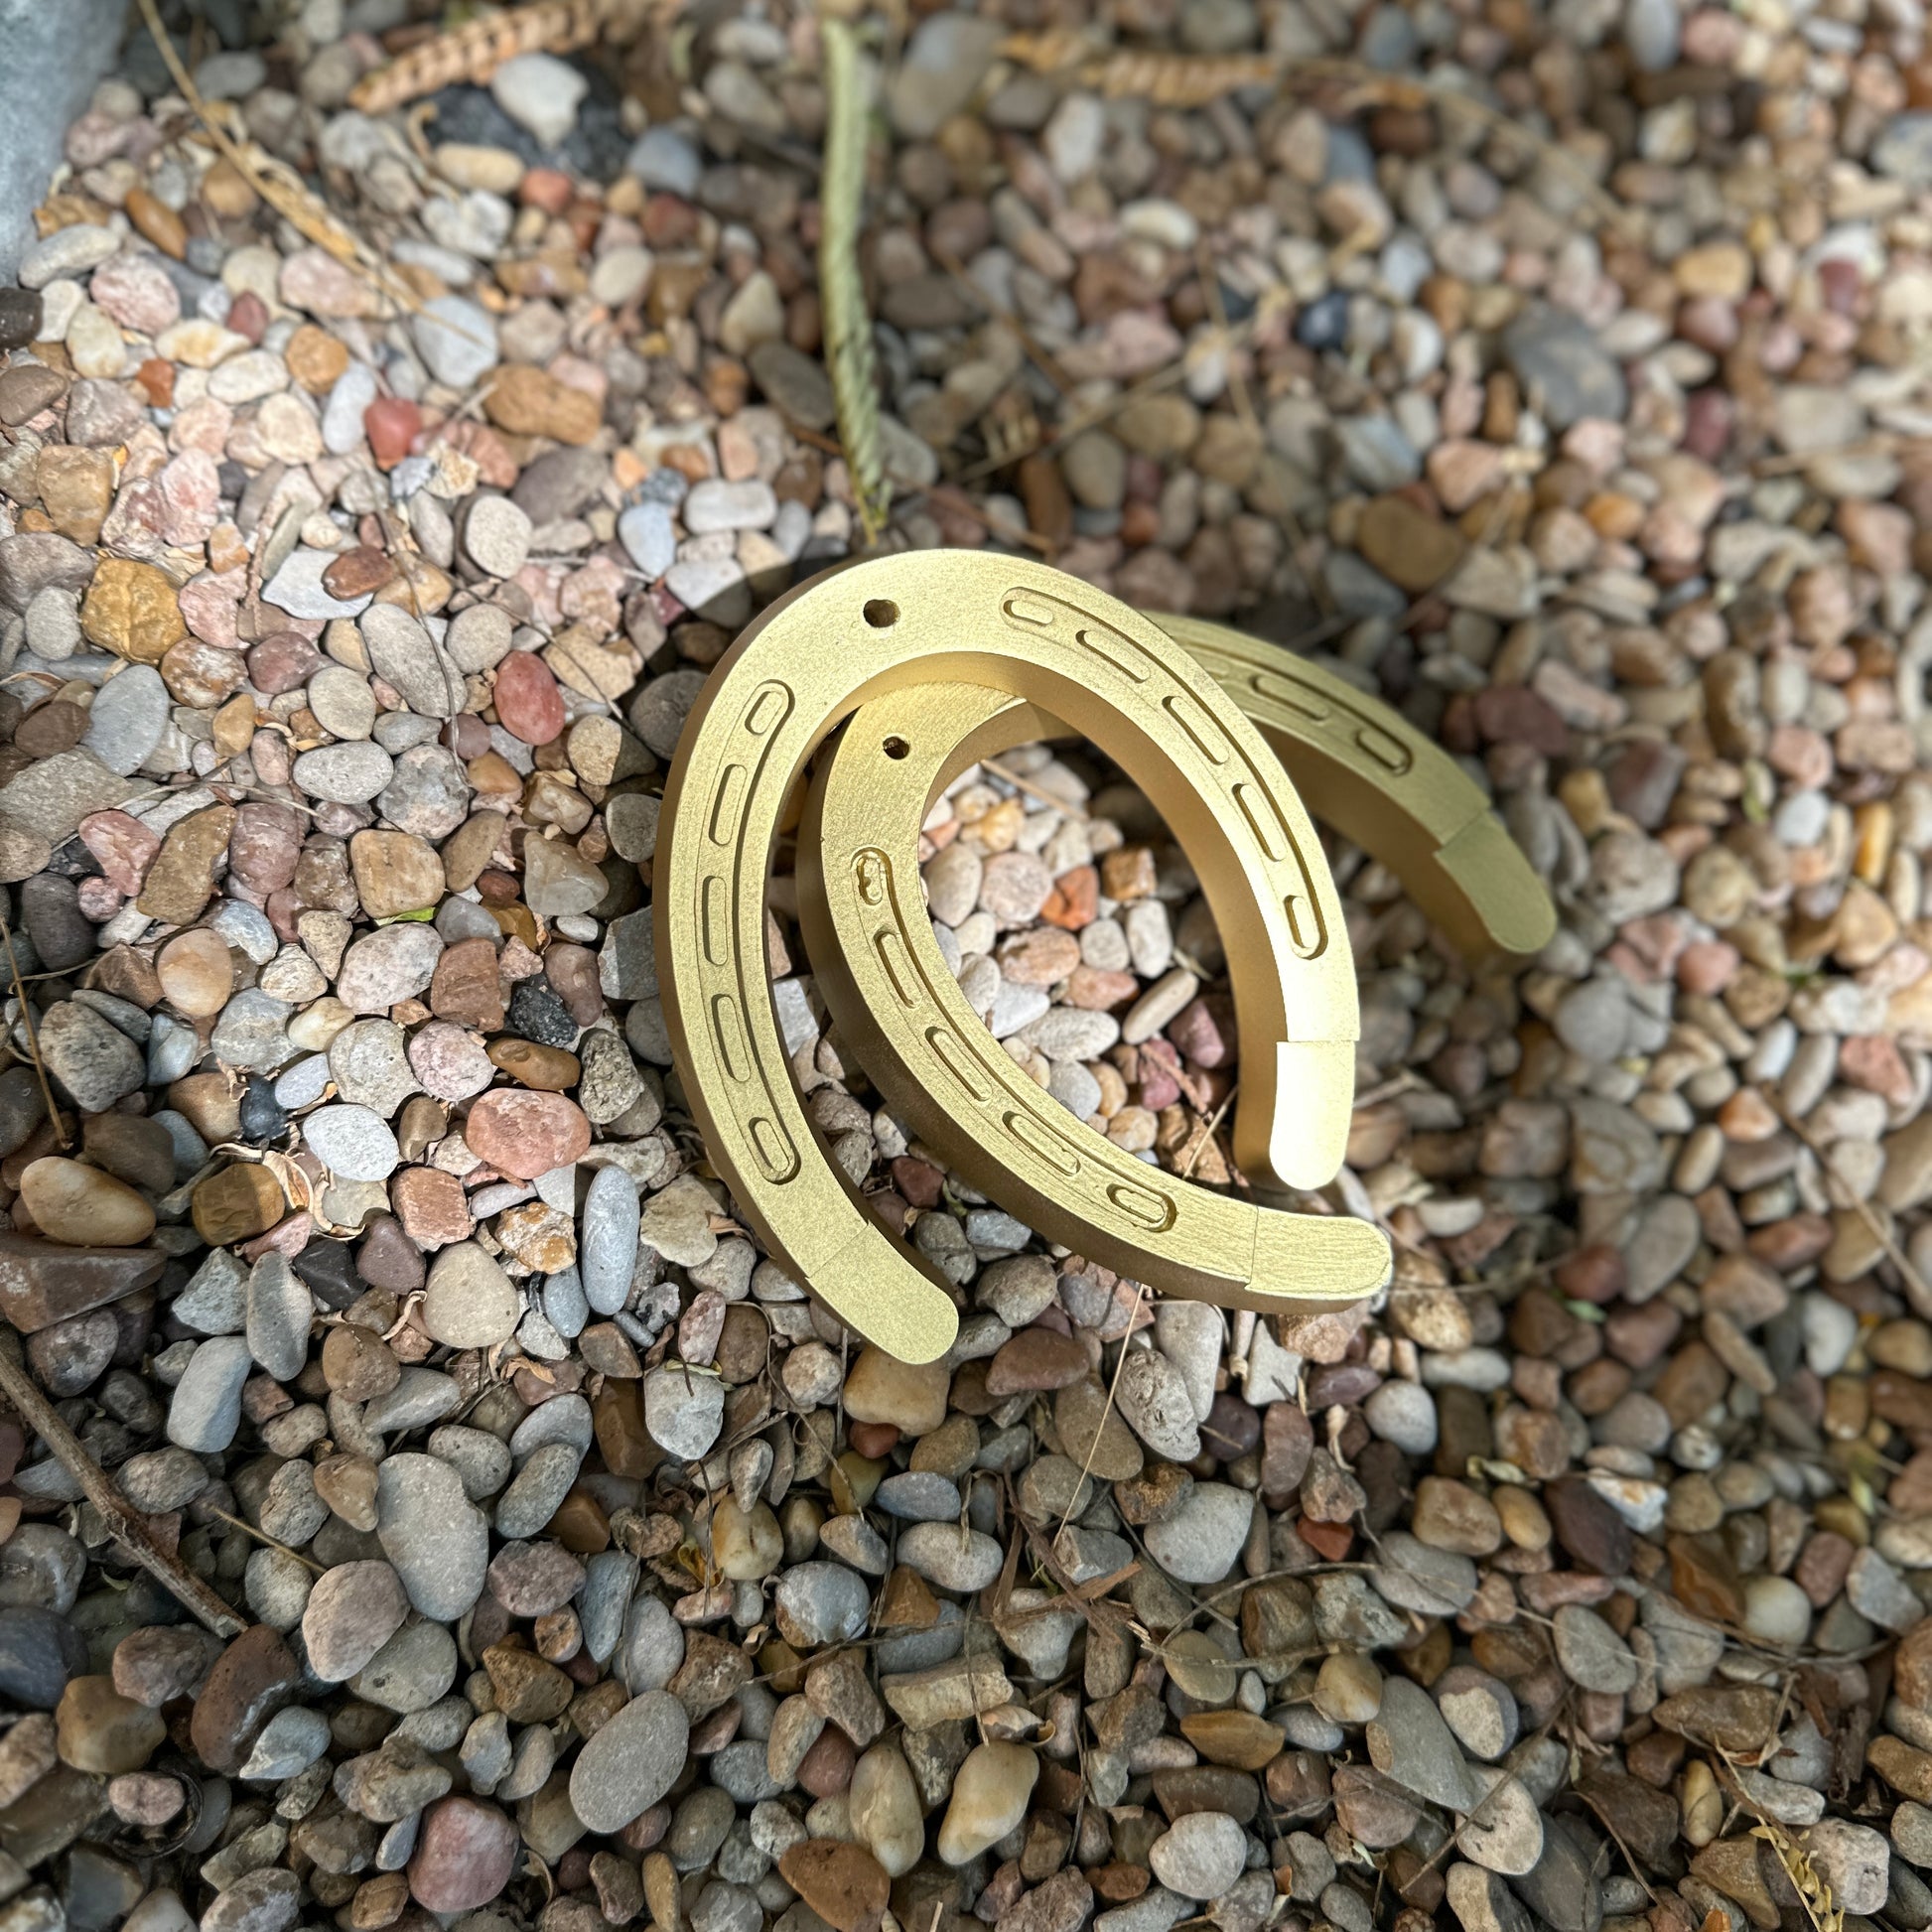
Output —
(52, 54)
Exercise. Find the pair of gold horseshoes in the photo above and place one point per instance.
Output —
(969, 653)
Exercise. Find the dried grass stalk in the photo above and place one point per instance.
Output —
(848, 323)
(1184, 81)
(471, 52)
(1814, 1894)
(275, 181)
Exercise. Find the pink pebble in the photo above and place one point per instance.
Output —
(529, 703)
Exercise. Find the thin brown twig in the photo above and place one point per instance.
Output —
(1033, 790)
(1113, 1389)
(999, 526)
(262, 1536)
(1884, 442)
(1412, 89)
(1629, 1857)
(288, 198)
(1407, 1081)
(1087, 1598)
(1212, 1123)
(33, 1040)
(1869, 1215)
(33, 979)
(1192, 81)
(123, 1520)
(1041, 356)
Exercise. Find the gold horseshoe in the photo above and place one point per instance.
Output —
(830, 647)
(889, 991)
(893, 999)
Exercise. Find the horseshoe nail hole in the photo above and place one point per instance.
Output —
(896, 748)
(880, 613)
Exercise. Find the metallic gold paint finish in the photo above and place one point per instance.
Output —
(1384, 785)
(952, 657)
(895, 1002)
(1381, 783)
(1029, 633)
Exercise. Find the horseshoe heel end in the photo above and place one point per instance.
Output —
(1493, 875)
(1315, 1096)
(870, 1286)
(1311, 1262)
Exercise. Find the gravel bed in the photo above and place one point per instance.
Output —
(556, 1561)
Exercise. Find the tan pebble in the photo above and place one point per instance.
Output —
(1522, 1517)
(346, 1484)
(100, 1731)
(989, 1798)
(316, 358)
(745, 1544)
(229, 192)
(470, 1302)
(882, 1803)
(1450, 1515)
(132, 610)
(395, 871)
(196, 972)
(1721, 270)
(78, 1204)
(1412, 550)
(529, 402)
(1236, 1738)
(465, 164)
(913, 1399)
(237, 1203)
(156, 223)
(1703, 1803)
(1348, 1689)
(548, 1070)
(1905, 1345)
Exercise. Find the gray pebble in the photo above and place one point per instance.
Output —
(684, 1408)
(252, 1032)
(215, 1302)
(404, 654)
(918, 1496)
(1590, 1653)
(343, 774)
(649, 538)
(825, 1601)
(438, 1541)
(206, 1408)
(422, 1396)
(608, 1258)
(563, 1419)
(128, 715)
(411, 1672)
(609, 1576)
(1403, 1413)
(97, 1063)
(629, 1762)
(352, 1142)
(1200, 1541)
(482, 1461)
(539, 1488)
(289, 1743)
(279, 1310)
(456, 340)
(1201, 1855)
(296, 589)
